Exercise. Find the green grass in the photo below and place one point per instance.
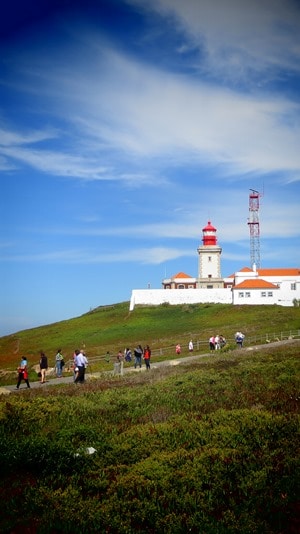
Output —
(208, 447)
(111, 328)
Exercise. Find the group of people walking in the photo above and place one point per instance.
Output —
(59, 365)
(178, 347)
(139, 354)
(217, 342)
(80, 361)
(23, 370)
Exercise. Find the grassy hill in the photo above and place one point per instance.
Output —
(110, 328)
(210, 447)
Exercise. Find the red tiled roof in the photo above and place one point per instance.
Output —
(278, 272)
(256, 283)
(243, 270)
(270, 272)
(181, 275)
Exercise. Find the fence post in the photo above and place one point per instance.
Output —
(117, 368)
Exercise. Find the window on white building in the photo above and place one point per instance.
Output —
(247, 294)
(293, 286)
(180, 286)
(241, 294)
(270, 293)
(209, 276)
(209, 258)
(263, 294)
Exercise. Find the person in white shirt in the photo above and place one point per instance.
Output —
(80, 361)
(239, 338)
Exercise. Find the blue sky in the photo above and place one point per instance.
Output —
(125, 125)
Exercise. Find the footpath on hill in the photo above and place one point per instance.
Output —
(154, 365)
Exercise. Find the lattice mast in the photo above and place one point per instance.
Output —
(253, 223)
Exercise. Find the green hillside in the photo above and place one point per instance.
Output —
(206, 447)
(110, 328)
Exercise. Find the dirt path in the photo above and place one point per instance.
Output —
(155, 365)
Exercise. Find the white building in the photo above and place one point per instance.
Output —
(247, 286)
(265, 286)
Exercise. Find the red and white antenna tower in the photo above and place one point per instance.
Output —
(253, 223)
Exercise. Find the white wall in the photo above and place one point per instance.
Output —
(180, 296)
(255, 296)
(240, 276)
(283, 296)
(286, 295)
(212, 268)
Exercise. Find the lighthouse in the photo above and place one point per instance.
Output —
(209, 262)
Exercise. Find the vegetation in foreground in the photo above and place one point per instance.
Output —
(210, 448)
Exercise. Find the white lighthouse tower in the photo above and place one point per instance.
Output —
(209, 264)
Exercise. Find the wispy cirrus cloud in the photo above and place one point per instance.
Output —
(56, 163)
(237, 41)
(10, 137)
(185, 222)
(121, 111)
(166, 116)
(154, 255)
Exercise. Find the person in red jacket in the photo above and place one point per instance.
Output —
(147, 356)
(23, 373)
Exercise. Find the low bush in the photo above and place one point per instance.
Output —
(209, 447)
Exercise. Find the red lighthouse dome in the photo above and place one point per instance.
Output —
(209, 235)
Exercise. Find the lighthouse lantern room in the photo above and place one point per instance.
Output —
(209, 270)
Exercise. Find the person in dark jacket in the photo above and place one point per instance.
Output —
(127, 354)
(43, 366)
(138, 353)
